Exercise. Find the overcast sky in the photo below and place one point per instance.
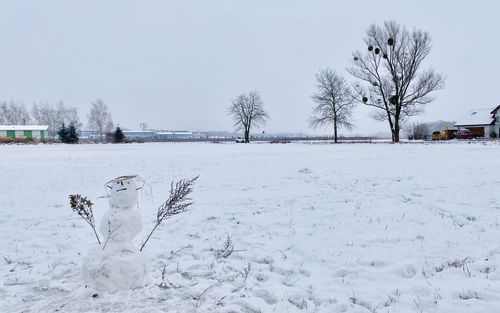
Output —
(178, 64)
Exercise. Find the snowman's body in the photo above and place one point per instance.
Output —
(116, 265)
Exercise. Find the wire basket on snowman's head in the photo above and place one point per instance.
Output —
(123, 190)
(119, 181)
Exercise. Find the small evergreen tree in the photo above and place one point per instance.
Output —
(72, 136)
(119, 136)
(63, 133)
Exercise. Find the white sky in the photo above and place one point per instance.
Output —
(178, 64)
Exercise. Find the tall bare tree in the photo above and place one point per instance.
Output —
(99, 118)
(247, 110)
(334, 102)
(391, 75)
(14, 113)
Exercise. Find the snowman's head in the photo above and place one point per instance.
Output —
(123, 192)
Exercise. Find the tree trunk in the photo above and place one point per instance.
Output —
(396, 122)
(395, 135)
(391, 125)
(335, 131)
(247, 135)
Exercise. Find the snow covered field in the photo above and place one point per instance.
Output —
(315, 227)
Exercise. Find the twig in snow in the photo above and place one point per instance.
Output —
(353, 298)
(83, 207)
(177, 202)
(219, 302)
(299, 304)
(245, 272)
(418, 304)
(390, 300)
(110, 233)
(226, 250)
(172, 253)
(163, 276)
(198, 298)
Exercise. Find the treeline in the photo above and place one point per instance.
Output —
(63, 121)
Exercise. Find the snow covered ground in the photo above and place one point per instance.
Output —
(316, 227)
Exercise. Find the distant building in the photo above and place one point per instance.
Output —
(88, 135)
(144, 135)
(39, 132)
(148, 135)
(199, 135)
(167, 135)
(179, 135)
(482, 122)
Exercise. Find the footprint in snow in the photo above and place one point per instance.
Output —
(305, 272)
(261, 277)
(406, 271)
(344, 273)
(266, 296)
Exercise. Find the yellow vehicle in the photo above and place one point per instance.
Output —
(443, 134)
(438, 135)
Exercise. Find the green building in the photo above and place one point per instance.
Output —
(38, 132)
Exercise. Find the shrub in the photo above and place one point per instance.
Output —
(62, 133)
(68, 134)
(119, 137)
(72, 134)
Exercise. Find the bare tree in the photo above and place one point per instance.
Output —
(247, 110)
(392, 75)
(44, 113)
(14, 113)
(67, 115)
(417, 131)
(334, 102)
(99, 118)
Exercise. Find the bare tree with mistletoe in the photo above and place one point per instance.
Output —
(390, 74)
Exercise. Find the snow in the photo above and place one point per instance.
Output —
(315, 227)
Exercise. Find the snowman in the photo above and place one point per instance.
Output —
(116, 265)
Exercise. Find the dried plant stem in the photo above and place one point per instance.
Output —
(110, 233)
(83, 207)
(177, 202)
(149, 236)
(96, 235)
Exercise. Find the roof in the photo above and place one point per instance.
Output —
(24, 127)
(495, 110)
(484, 116)
(139, 132)
(182, 132)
